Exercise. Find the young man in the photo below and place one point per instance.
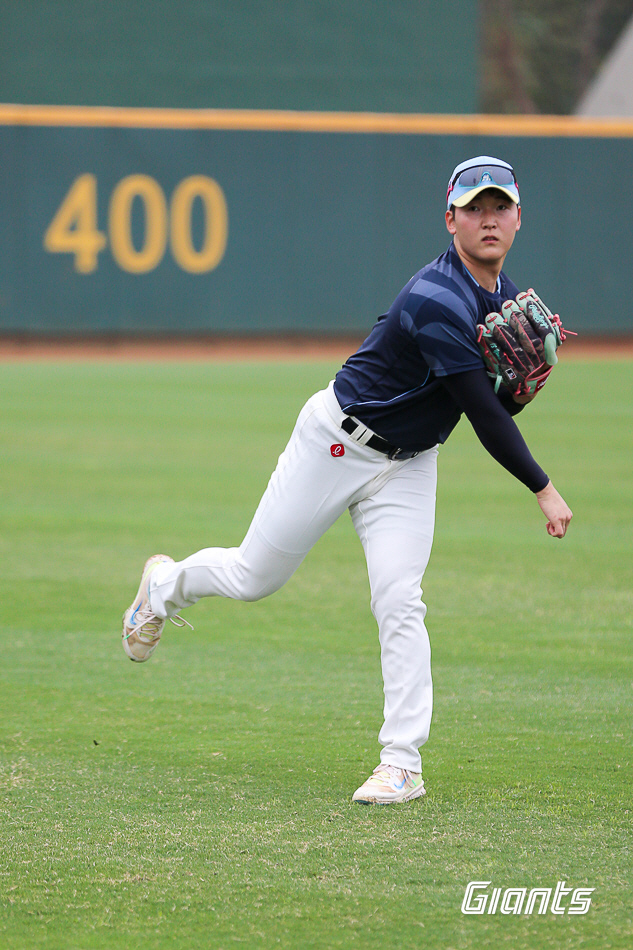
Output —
(369, 443)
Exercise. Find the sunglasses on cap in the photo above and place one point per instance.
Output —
(483, 175)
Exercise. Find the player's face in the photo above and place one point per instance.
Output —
(484, 229)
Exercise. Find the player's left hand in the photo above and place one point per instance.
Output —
(519, 345)
(555, 509)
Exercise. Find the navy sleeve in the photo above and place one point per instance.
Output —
(508, 403)
(494, 427)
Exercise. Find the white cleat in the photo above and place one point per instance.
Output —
(388, 785)
(142, 629)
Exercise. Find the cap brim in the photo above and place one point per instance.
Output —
(469, 195)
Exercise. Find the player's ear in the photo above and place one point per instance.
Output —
(450, 221)
(518, 217)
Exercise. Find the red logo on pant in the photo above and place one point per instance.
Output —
(337, 449)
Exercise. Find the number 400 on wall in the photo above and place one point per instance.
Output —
(74, 229)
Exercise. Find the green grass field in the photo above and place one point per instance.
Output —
(202, 800)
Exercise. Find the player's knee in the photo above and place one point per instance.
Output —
(397, 600)
(253, 587)
(254, 581)
(251, 595)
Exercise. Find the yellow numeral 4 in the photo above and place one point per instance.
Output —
(73, 230)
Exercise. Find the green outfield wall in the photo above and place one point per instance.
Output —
(362, 55)
(194, 222)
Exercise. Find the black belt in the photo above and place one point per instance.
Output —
(378, 443)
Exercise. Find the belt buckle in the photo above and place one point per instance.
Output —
(394, 455)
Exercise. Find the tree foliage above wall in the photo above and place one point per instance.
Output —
(540, 55)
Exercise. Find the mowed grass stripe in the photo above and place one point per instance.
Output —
(202, 799)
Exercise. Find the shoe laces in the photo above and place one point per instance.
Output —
(393, 771)
(152, 626)
(179, 621)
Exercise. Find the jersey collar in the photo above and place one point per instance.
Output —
(475, 281)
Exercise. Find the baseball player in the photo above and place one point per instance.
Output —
(368, 443)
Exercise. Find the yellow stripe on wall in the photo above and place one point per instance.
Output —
(288, 121)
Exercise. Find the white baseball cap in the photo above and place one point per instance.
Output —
(477, 174)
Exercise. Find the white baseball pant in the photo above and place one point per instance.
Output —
(321, 472)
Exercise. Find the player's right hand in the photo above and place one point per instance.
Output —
(555, 509)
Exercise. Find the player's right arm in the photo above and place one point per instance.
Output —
(440, 320)
(500, 436)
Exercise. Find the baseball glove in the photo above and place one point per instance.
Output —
(519, 344)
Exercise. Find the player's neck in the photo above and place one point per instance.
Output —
(486, 274)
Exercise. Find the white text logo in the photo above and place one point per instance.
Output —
(518, 900)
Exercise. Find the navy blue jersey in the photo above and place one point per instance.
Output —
(392, 382)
